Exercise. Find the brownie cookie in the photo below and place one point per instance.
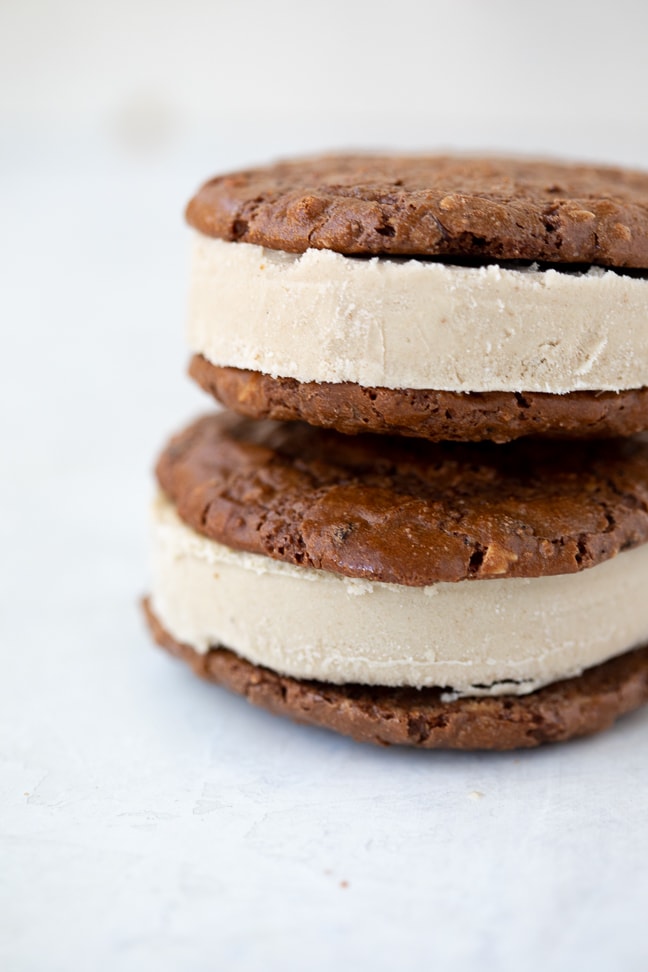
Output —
(436, 297)
(435, 415)
(411, 717)
(450, 206)
(411, 513)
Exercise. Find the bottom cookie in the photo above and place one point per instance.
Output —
(411, 717)
(424, 413)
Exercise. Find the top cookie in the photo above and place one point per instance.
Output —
(462, 207)
(407, 513)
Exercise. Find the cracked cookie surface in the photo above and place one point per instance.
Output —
(407, 512)
(458, 206)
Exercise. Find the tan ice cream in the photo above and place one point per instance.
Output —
(408, 323)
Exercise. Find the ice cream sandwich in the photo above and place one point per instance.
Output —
(442, 297)
(403, 591)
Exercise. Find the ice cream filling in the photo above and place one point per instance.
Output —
(408, 323)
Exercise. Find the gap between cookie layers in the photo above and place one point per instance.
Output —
(410, 323)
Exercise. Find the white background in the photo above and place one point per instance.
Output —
(148, 820)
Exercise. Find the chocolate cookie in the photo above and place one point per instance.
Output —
(423, 413)
(450, 206)
(392, 716)
(407, 512)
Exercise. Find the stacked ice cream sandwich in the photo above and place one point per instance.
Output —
(423, 518)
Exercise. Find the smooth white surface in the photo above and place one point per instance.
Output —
(410, 71)
(147, 820)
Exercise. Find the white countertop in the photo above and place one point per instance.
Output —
(148, 820)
